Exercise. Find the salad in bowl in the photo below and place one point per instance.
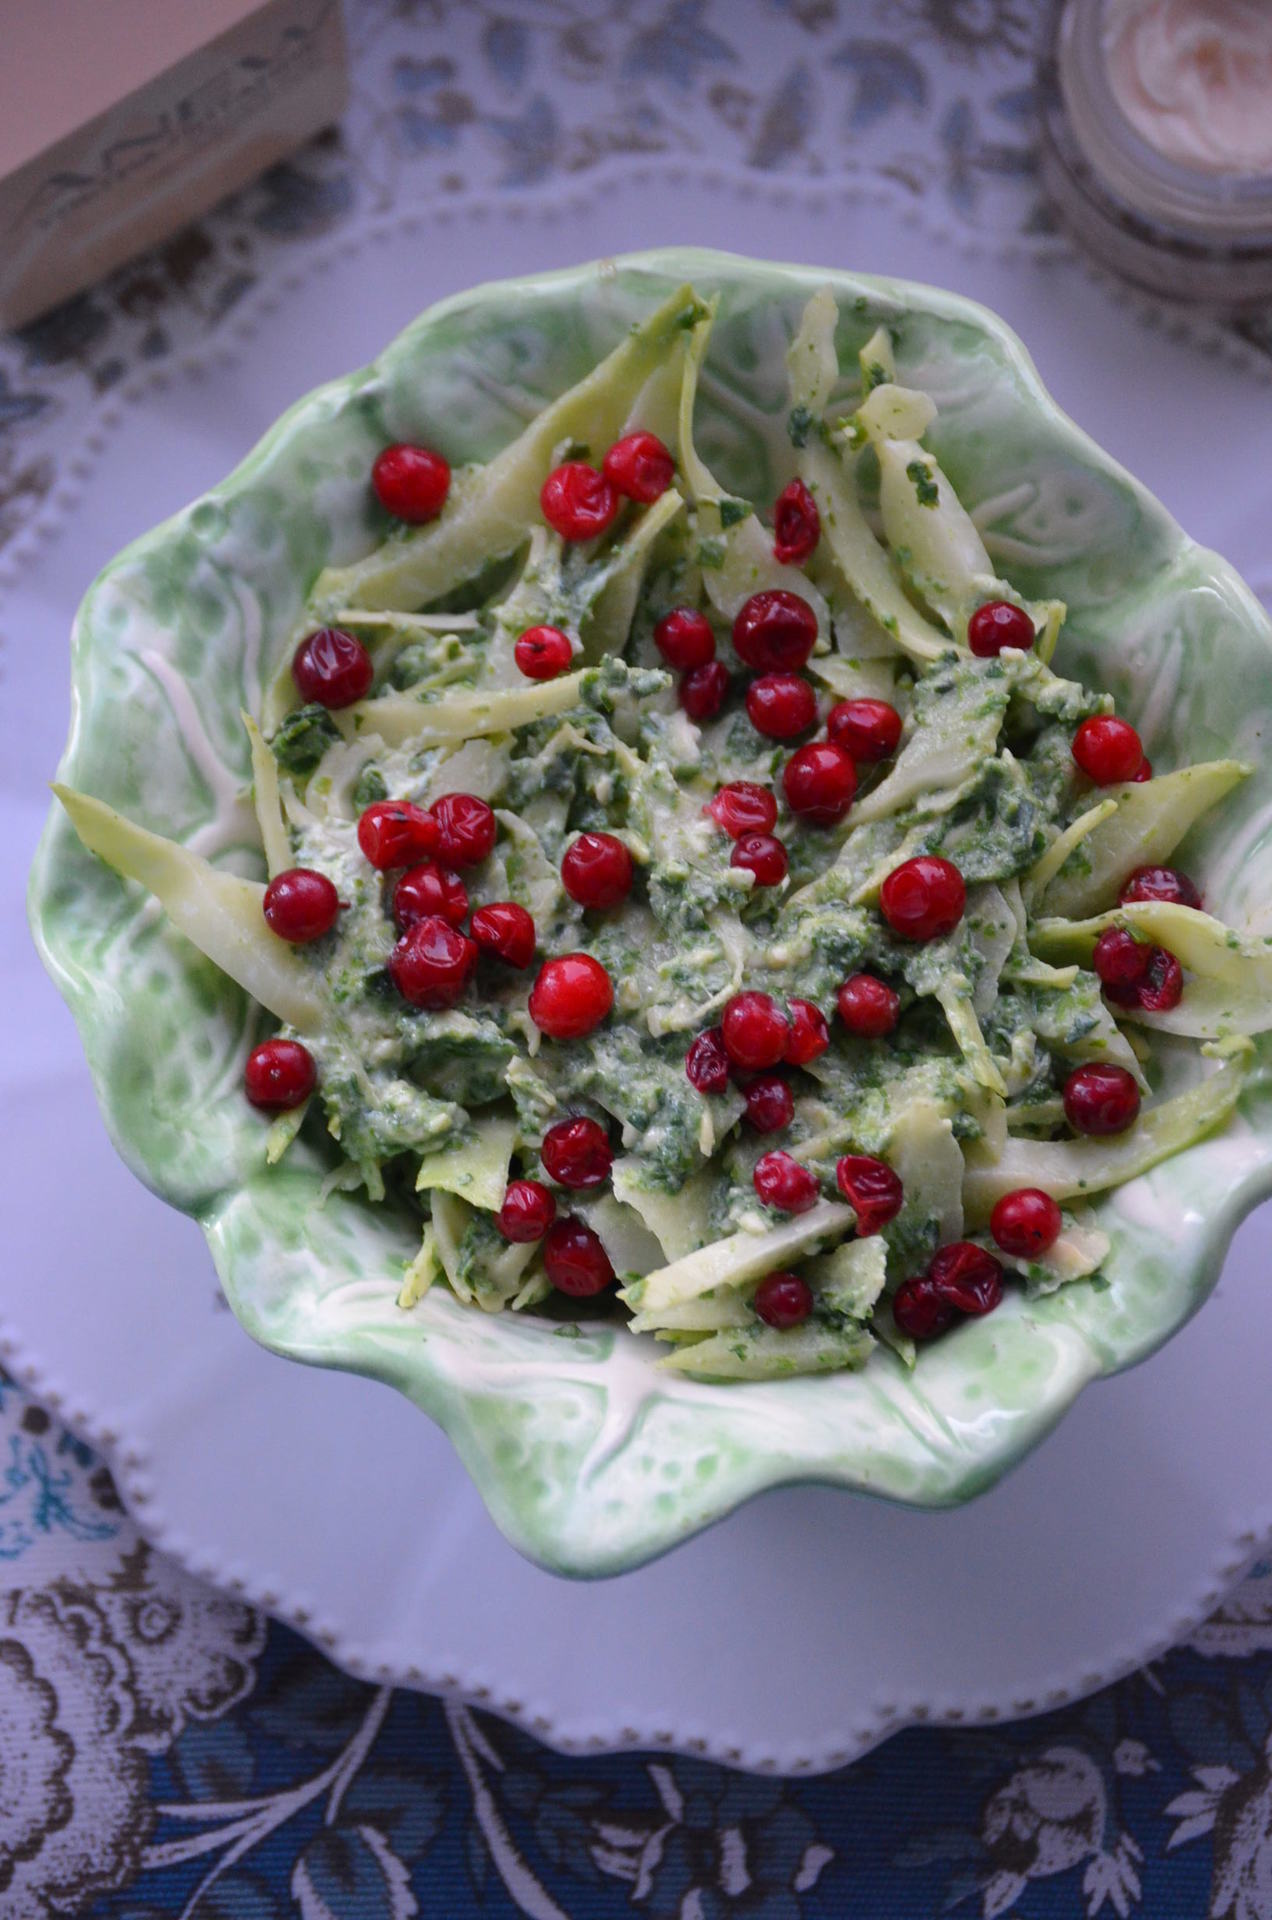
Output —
(715, 954)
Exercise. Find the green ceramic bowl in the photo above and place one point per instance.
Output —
(589, 1458)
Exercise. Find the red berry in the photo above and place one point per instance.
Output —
(543, 652)
(868, 1006)
(431, 964)
(466, 829)
(1122, 994)
(332, 668)
(639, 466)
(780, 705)
(919, 1310)
(796, 524)
(967, 1277)
(570, 996)
(996, 625)
(809, 1035)
(760, 854)
(783, 1300)
(575, 1260)
(505, 930)
(426, 891)
(1100, 1099)
(300, 904)
(872, 1190)
(1160, 883)
(1119, 959)
(707, 1063)
(868, 730)
(596, 870)
(576, 1153)
(527, 1212)
(770, 1104)
(685, 639)
(1163, 986)
(393, 833)
(743, 807)
(1107, 749)
(577, 502)
(819, 781)
(279, 1074)
(1025, 1223)
(704, 689)
(923, 898)
(782, 1183)
(775, 631)
(1145, 772)
(411, 483)
(755, 1031)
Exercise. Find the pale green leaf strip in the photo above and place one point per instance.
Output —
(740, 1258)
(221, 913)
(1228, 976)
(606, 626)
(1149, 820)
(895, 413)
(812, 365)
(268, 802)
(877, 352)
(283, 1132)
(929, 1161)
(423, 1270)
(475, 1168)
(850, 1278)
(450, 1217)
(678, 1221)
(859, 558)
(1048, 865)
(762, 1353)
(396, 718)
(727, 1307)
(1070, 1168)
(944, 554)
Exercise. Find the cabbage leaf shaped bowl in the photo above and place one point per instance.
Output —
(589, 1457)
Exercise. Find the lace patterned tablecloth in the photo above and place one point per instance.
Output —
(166, 1750)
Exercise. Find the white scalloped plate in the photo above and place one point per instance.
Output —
(809, 1624)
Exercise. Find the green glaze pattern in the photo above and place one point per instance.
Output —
(590, 1459)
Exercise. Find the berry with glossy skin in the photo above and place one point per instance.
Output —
(466, 829)
(1107, 749)
(809, 1035)
(1025, 1223)
(1145, 772)
(868, 730)
(966, 1276)
(1163, 984)
(783, 1300)
(576, 1153)
(506, 931)
(919, 1310)
(300, 905)
(783, 1184)
(781, 705)
(1119, 959)
(571, 995)
(528, 1210)
(597, 871)
(1100, 1100)
(429, 890)
(775, 631)
(543, 653)
(819, 782)
(707, 1063)
(872, 1190)
(575, 1260)
(685, 639)
(411, 483)
(1159, 883)
(755, 1031)
(770, 1104)
(639, 466)
(332, 668)
(577, 502)
(996, 625)
(704, 690)
(760, 854)
(395, 833)
(923, 898)
(432, 963)
(796, 524)
(280, 1074)
(743, 807)
(868, 1006)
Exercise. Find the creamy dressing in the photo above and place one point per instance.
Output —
(1194, 78)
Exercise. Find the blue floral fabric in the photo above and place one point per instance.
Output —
(165, 1750)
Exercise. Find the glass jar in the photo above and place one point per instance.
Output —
(1194, 229)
